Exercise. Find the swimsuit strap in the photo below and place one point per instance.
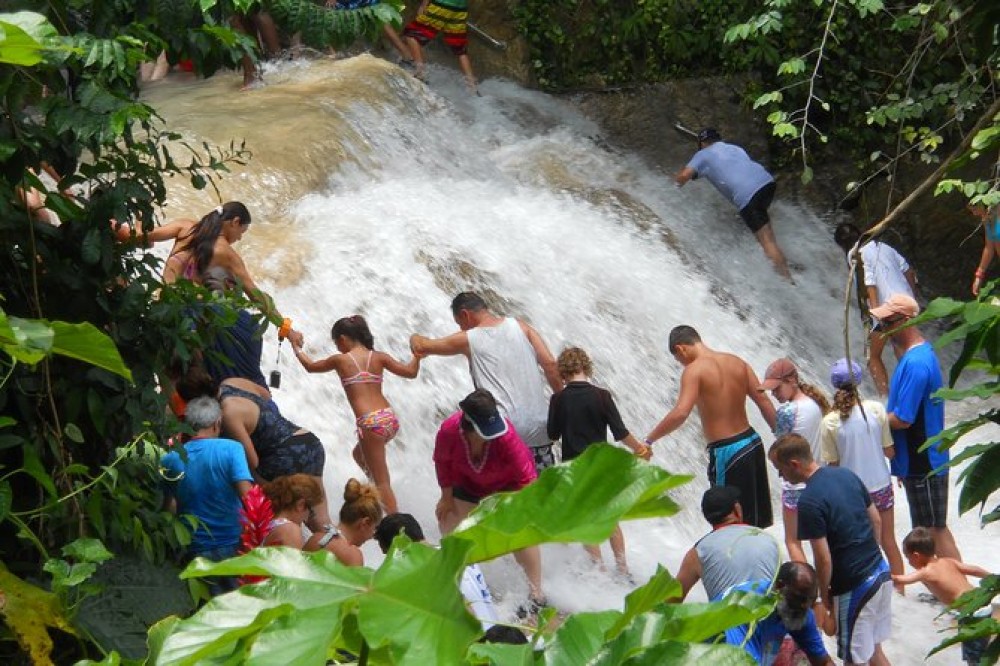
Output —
(227, 390)
(276, 523)
(362, 376)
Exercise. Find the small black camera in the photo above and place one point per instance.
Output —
(275, 379)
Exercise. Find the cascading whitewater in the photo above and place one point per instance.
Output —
(374, 194)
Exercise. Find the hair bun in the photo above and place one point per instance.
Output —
(352, 491)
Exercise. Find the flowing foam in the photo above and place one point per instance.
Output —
(372, 194)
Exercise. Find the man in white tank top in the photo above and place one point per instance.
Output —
(505, 356)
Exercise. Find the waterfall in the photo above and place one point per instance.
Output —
(372, 193)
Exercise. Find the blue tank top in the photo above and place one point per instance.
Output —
(993, 228)
(272, 428)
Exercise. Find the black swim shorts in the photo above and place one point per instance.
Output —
(458, 492)
(299, 454)
(755, 212)
(928, 499)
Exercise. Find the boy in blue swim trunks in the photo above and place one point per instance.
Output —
(718, 384)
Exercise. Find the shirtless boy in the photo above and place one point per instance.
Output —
(718, 384)
(945, 578)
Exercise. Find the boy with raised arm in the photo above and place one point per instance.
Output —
(945, 577)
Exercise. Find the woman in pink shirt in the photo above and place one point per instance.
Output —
(478, 453)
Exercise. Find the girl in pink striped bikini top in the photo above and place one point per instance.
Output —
(360, 368)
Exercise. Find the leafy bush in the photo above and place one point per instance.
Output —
(976, 324)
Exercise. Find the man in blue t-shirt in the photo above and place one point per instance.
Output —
(208, 482)
(838, 518)
(796, 586)
(915, 417)
(745, 183)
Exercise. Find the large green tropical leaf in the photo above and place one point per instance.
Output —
(579, 638)
(416, 594)
(22, 38)
(691, 654)
(86, 343)
(980, 479)
(685, 623)
(661, 586)
(25, 340)
(578, 502)
(296, 616)
(31, 340)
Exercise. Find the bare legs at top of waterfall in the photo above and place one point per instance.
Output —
(360, 368)
(448, 17)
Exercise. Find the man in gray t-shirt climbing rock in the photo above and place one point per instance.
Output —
(745, 183)
(732, 553)
(505, 356)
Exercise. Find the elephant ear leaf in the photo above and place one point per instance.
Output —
(583, 501)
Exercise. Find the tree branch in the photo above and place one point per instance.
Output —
(929, 182)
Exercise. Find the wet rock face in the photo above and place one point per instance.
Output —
(936, 235)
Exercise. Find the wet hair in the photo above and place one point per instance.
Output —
(573, 360)
(467, 300)
(479, 403)
(201, 239)
(285, 491)
(392, 525)
(920, 541)
(202, 412)
(791, 447)
(682, 335)
(846, 235)
(195, 383)
(361, 500)
(353, 328)
(502, 633)
(816, 395)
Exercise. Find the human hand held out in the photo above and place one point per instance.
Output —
(642, 450)
(417, 345)
(977, 281)
(825, 619)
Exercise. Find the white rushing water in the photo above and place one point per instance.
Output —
(374, 194)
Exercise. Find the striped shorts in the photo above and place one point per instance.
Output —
(864, 616)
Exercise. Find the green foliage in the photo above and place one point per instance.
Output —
(70, 575)
(977, 325)
(639, 493)
(29, 341)
(598, 43)
(900, 80)
(82, 337)
(409, 610)
(28, 611)
(321, 26)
